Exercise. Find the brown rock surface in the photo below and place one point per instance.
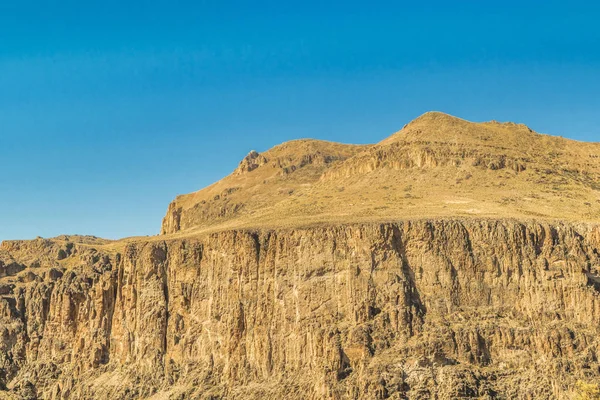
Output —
(315, 306)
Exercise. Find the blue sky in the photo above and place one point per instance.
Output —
(110, 109)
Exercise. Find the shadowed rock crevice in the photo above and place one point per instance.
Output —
(416, 310)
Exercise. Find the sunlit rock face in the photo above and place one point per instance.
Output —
(447, 308)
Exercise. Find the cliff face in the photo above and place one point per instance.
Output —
(425, 309)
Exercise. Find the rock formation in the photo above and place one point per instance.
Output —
(369, 293)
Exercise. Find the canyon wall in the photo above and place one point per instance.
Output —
(420, 309)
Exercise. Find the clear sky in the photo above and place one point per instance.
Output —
(109, 109)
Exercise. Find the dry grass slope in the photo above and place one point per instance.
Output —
(436, 166)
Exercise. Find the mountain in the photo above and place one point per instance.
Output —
(452, 260)
(436, 166)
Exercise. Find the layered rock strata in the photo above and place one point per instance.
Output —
(447, 309)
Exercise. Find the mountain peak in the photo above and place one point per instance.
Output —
(438, 126)
(439, 119)
(436, 116)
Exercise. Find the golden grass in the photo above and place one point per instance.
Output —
(437, 166)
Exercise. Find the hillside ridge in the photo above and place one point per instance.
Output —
(438, 165)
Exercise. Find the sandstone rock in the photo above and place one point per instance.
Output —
(445, 308)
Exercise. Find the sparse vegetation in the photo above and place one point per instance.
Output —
(587, 391)
(62, 254)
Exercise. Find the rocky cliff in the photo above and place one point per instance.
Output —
(415, 309)
(353, 299)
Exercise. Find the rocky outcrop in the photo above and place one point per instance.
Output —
(172, 221)
(252, 161)
(422, 155)
(417, 309)
(55, 324)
